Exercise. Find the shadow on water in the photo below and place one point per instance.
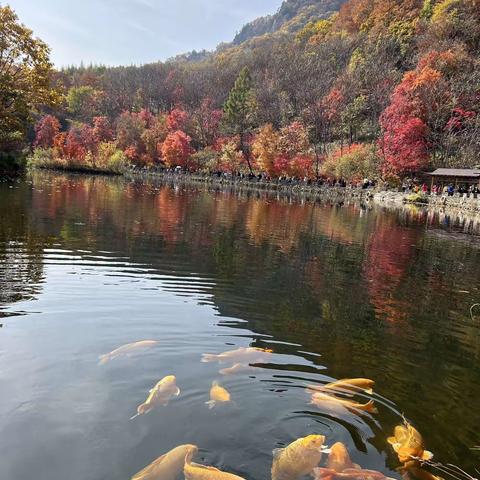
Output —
(91, 263)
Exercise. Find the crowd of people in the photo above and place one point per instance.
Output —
(462, 190)
(408, 186)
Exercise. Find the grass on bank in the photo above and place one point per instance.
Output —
(108, 159)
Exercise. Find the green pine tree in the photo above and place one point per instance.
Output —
(240, 110)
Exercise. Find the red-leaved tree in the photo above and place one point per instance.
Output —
(176, 150)
(178, 119)
(102, 130)
(46, 130)
(403, 143)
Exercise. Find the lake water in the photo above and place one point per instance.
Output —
(88, 264)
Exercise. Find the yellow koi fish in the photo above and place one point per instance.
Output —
(339, 458)
(297, 459)
(408, 444)
(334, 403)
(349, 474)
(236, 369)
(341, 467)
(418, 473)
(194, 471)
(346, 385)
(159, 395)
(127, 350)
(167, 467)
(218, 394)
(241, 355)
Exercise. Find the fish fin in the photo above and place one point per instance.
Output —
(392, 440)
(209, 357)
(369, 391)
(211, 404)
(177, 392)
(148, 468)
(370, 407)
(204, 467)
(277, 452)
(103, 359)
(427, 455)
(135, 416)
(326, 449)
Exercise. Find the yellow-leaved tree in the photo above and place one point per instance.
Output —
(25, 82)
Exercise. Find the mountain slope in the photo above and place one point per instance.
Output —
(305, 10)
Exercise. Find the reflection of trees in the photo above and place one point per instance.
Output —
(389, 252)
(21, 250)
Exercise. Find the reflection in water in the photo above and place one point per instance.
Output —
(332, 292)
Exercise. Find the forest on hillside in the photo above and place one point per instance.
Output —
(379, 89)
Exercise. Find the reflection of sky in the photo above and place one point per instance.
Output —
(128, 32)
(57, 391)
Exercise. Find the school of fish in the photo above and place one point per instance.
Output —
(301, 457)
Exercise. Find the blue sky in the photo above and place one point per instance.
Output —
(124, 32)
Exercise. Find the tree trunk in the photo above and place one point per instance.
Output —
(246, 153)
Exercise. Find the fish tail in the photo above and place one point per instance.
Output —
(370, 407)
(211, 404)
(369, 391)
(103, 359)
(427, 456)
(135, 416)
(209, 357)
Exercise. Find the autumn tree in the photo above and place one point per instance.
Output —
(266, 149)
(82, 103)
(129, 130)
(25, 79)
(153, 138)
(176, 150)
(353, 163)
(403, 143)
(74, 148)
(239, 110)
(178, 119)
(206, 123)
(46, 129)
(102, 130)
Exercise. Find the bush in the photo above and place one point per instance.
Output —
(118, 162)
(107, 159)
(353, 163)
(207, 160)
(41, 158)
(417, 198)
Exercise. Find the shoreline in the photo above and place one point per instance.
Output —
(456, 204)
(387, 198)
